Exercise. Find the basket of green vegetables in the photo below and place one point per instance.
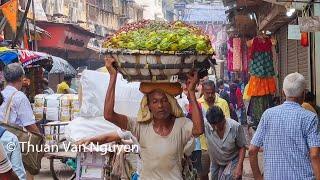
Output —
(150, 51)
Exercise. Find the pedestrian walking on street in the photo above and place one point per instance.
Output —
(45, 86)
(289, 136)
(226, 145)
(21, 113)
(6, 172)
(209, 99)
(14, 155)
(309, 102)
(64, 86)
(160, 128)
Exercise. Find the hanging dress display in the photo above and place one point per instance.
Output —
(230, 54)
(261, 68)
(262, 84)
(237, 54)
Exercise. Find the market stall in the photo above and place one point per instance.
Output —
(34, 63)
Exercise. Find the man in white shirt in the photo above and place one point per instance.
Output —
(21, 113)
(6, 172)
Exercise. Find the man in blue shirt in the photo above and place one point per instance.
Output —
(13, 151)
(289, 136)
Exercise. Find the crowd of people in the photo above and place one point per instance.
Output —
(288, 135)
(206, 124)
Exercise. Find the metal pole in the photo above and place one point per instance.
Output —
(21, 27)
(35, 27)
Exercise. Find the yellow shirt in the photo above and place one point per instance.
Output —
(308, 107)
(218, 102)
(245, 93)
(62, 87)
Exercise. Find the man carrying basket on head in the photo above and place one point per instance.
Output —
(161, 129)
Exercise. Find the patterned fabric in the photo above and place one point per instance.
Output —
(262, 65)
(230, 54)
(245, 57)
(261, 86)
(258, 104)
(261, 45)
(286, 133)
(237, 54)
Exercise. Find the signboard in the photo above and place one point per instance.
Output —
(294, 32)
(179, 5)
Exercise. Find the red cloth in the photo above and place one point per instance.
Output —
(304, 39)
(230, 54)
(260, 46)
(240, 103)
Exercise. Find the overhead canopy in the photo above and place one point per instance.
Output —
(25, 57)
(62, 66)
(37, 32)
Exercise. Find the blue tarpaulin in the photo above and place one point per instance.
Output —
(8, 57)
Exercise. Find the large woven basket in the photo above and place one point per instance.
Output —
(156, 66)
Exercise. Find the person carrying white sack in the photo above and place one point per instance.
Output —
(160, 128)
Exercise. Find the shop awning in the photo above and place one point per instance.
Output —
(37, 32)
(25, 57)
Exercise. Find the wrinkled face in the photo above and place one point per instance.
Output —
(209, 94)
(159, 105)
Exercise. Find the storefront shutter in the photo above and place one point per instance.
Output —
(303, 63)
(282, 42)
(293, 57)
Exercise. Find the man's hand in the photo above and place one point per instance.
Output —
(85, 142)
(109, 61)
(192, 81)
(238, 172)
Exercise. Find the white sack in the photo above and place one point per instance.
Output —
(94, 87)
(81, 128)
(91, 121)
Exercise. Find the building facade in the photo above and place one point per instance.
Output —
(79, 27)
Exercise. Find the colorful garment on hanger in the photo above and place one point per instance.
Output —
(245, 57)
(262, 64)
(261, 45)
(230, 54)
(261, 86)
(261, 68)
(237, 54)
(258, 104)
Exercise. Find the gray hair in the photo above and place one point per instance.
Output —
(13, 72)
(294, 85)
(209, 83)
